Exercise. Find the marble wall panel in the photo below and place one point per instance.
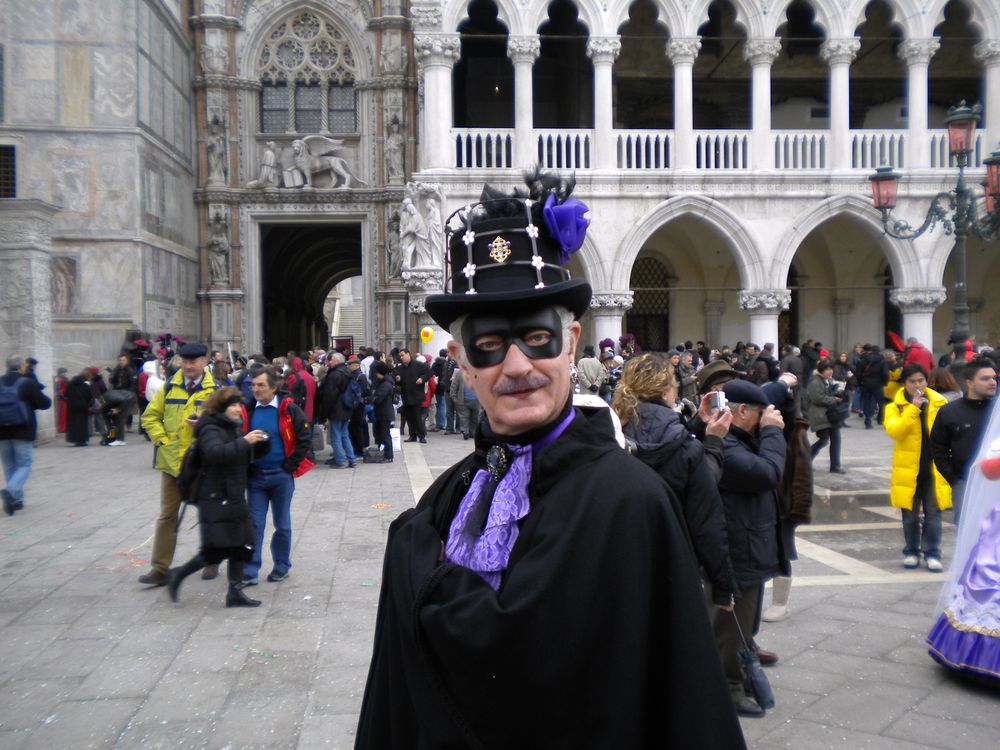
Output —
(110, 280)
(114, 87)
(16, 298)
(102, 21)
(31, 85)
(31, 20)
(71, 181)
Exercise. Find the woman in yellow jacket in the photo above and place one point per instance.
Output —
(916, 483)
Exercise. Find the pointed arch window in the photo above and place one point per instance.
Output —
(307, 72)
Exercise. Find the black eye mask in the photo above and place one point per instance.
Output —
(511, 330)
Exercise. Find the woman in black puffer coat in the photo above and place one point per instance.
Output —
(658, 438)
(220, 490)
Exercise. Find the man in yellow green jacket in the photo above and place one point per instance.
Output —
(169, 422)
(916, 483)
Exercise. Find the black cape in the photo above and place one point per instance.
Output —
(597, 638)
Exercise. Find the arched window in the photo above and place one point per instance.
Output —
(306, 69)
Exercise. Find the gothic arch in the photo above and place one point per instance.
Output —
(903, 14)
(823, 17)
(985, 17)
(901, 255)
(457, 11)
(589, 14)
(728, 225)
(589, 257)
(357, 39)
(747, 15)
(667, 13)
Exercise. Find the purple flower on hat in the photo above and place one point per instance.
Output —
(567, 223)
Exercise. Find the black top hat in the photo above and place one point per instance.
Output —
(512, 250)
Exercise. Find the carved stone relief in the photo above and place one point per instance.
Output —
(218, 247)
(63, 283)
(215, 145)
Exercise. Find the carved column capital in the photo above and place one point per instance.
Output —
(521, 49)
(918, 300)
(988, 51)
(619, 302)
(604, 49)
(765, 300)
(425, 18)
(437, 49)
(761, 51)
(683, 49)
(840, 51)
(914, 51)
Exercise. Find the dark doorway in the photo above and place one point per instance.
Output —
(484, 75)
(649, 317)
(788, 320)
(300, 264)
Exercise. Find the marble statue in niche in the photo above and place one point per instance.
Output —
(215, 146)
(218, 250)
(421, 231)
(268, 175)
(214, 59)
(395, 257)
(394, 150)
(315, 155)
(413, 238)
(63, 285)
(392, 55)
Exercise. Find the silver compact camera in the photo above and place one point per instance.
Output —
(717, 401)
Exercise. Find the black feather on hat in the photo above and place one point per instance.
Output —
(513, 248)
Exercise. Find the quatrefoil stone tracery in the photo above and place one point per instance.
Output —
(306, 48)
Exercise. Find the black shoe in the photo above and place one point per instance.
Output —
(210, 573)
(330, 462)
(351, 464)
(153, 578)
(748, 707)
(19, 505)
(8, 502)
(838, 470)
(236, 598)
(276, 577)
(410, 440)
(248, 581)
(423, 440)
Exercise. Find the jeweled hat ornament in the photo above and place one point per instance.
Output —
(512, 249)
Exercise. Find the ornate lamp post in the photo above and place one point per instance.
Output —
(955, 209)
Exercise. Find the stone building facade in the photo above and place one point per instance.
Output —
(213, 168)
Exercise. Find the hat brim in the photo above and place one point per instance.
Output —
(574, 294)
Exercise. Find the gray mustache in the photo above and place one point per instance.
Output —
(512, 385)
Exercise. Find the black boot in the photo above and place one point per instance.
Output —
(235, 596)
(176, 575)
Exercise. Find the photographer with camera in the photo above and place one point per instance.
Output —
(826, 410)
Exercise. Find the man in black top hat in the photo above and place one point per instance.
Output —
(523, 603)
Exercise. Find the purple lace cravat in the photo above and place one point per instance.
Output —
(488, 553)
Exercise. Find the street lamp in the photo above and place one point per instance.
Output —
(955, 209)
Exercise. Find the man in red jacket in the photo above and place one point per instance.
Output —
(272, 476)
(916, 353)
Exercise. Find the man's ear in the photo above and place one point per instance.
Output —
(454, 350)
(574, 338)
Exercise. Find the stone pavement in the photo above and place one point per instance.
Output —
(90, 659)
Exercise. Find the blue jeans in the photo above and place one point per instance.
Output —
(926, 537)
(340, 441)
(16, 457)
(871, 405)
(441, 415)
(274, 486)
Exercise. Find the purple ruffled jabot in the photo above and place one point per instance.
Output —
(489, 553)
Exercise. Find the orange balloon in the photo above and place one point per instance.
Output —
(426, 334)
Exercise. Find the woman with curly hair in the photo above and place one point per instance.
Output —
(656, 436)
(220, 489)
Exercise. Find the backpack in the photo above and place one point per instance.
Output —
(191, 474)
(13, 410)
(298, 392)
(351, 397)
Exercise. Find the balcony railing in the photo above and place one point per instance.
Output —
(722, 149)
(493, 148)
(800, 149)
(644, 149)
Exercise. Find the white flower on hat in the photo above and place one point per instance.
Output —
(532, 231)
(537, 262)
(469, 270)
(469, 237)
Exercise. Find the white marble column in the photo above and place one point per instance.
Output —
(603, 50)
(607, 309)
(713, 309)
(682, 53)
(918, 306)
(764, 306)
(523, 51)
(988, 53)
(761, 53)
(842, 308)
(917, 54)
(839, 54)
(436, 54)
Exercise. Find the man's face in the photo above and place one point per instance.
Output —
(404, 357)
(751, 350)
(520, 392)
(123, 361)
(353, 366)
(217, 357)
(192, 367)
(686, 360)
(915, 384)
(983, 385)
(262, 390)
(890, 358)
(746, 416)
(858, 349)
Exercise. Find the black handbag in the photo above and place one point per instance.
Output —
(837, 414)
(221, 509)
